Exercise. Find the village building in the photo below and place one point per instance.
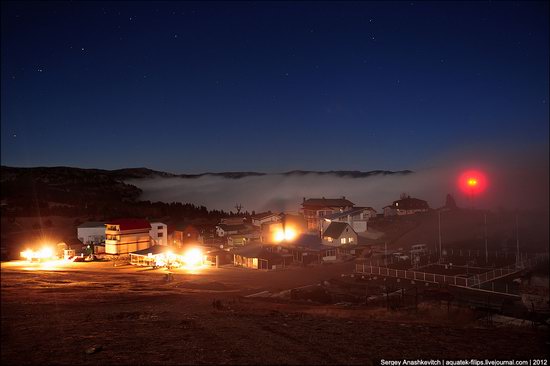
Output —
(188, 235)
(339, 233)
(159, 233)
(357, 217)
(245, 237)
(264, 217)
(308, 249)
(316, 209)
(124, 236)
(151, 256)
(406, 206)
(226, 229)
(233, 220)
(296, 223)
(260, 257)
(91, 232)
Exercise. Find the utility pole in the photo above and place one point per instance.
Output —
(486, 252)
(517, 241)
(439, 232)
(385, 253)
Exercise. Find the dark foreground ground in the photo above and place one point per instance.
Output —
(136, 317)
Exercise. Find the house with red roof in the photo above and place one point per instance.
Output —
(315, 209)
(123, 236)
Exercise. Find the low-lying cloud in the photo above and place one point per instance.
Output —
(515, 181)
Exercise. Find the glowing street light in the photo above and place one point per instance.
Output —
(472, 182)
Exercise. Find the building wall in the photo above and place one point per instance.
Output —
(91, 235)
(189, 235)
(259, 222)
(410, 212)
(124, 242)
(159, 233)
(388, 211)
(359, 226)
(347, 234)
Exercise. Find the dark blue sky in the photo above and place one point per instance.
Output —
(195, 87)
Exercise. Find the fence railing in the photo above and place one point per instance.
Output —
(481, 278)
(456, 280)
(411, 275)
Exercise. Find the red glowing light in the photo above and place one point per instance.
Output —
(472, 182)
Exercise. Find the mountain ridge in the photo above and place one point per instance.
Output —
(142, 172)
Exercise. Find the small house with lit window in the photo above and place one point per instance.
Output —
(188, 235)
(339, 233)
(406, 206)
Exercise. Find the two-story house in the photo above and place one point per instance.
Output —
(316, 209)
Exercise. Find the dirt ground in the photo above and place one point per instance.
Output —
(135, 316)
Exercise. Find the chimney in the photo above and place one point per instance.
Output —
(343, 197)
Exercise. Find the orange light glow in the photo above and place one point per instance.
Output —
(289, 234)
(472, 182)
(41, 255)
(193, 257)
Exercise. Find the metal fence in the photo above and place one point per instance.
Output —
(457, 280)
(411, 275)
(479, 279)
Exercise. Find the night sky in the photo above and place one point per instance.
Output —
(271, 87)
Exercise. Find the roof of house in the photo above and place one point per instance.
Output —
(263, 215)
(130, 224)
(187, 227)
(226, 227)
(335, 229)
(327, 202)
(92, 224)
(256, 251)
(159, 249)
(353, 211)
(306, 242)
(409, 203)
(155, 249)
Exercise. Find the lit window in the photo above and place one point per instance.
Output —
(329, 239)
(343, 240)
(396, 204)
(351, 240)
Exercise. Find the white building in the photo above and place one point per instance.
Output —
(91, 232)
(225, 229)
(339, 233)
(159, 233)
(357, 218)
(262, 218)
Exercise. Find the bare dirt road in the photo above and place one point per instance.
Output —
(135, 316)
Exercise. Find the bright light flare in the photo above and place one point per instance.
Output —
(43, 254)
(288, 234)
(193, 257)
(472, 182)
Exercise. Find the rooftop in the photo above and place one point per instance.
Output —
(130, 224)
(328, 202)
(353, 211)
(335, 229)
